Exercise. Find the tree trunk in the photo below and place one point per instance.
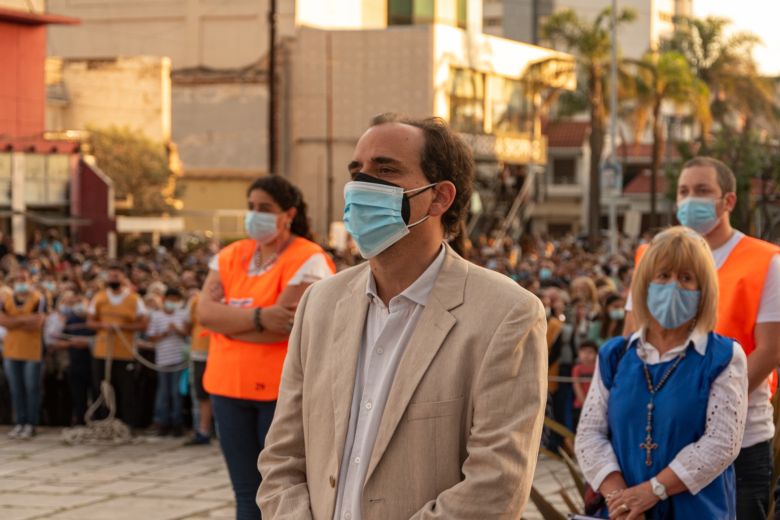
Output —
(655, 161)
(596, 141)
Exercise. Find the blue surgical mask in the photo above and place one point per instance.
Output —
(617, 314)
(698, 213)
(671, 305)
(376, 213)
(545, 273)
(261, 226)
(172, 306)
(49, 286)
(21, 288)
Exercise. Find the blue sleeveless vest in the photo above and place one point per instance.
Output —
(679, 419)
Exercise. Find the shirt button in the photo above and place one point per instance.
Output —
(369, 405)
(332, 481)
(357, 460)
(347, 515)
(380, 351)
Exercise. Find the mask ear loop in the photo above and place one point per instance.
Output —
(422, 189)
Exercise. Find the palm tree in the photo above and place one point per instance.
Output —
(725, 64)
(590, 42)
(661, 77)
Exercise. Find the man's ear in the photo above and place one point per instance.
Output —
(443, 196)
(730, 201)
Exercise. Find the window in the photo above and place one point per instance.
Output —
(463, 13)
(408, 12)
(399, 12)
(493, 22)
(564, 171)
(467, 101)
(512, 107)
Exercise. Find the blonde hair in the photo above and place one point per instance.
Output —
(674, 250)
(593, 293)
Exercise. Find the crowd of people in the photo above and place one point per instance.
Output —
(661, 357)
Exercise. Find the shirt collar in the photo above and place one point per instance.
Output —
(421, 288)
(697, 337)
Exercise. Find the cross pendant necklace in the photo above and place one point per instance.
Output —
(649, 445)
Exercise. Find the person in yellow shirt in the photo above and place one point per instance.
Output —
(117, 313)
(22, 315)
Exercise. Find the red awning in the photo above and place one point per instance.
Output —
(28, 18)
(38, 145)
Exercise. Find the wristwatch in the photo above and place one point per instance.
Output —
(659, 489)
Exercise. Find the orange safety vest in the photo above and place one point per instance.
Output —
(23, 344)
(245, 370)
(741, 281)
(200, 336)
(123, 314)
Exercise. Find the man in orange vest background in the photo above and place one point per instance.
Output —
(748, 311)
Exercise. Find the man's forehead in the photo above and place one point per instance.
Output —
(390, 140)
(698, 175)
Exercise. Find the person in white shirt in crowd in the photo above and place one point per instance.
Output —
(168, 330)
(665, 414)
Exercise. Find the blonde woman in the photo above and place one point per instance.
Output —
(665, 414)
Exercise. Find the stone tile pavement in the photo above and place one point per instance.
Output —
(151, 479)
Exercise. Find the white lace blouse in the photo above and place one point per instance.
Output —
(700, 462)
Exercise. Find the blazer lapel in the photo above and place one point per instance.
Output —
(350, 318)
(432, 329)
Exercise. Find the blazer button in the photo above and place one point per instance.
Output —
(332, 481)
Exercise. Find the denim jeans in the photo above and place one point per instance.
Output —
(753, 469)
(168, 403)
(24, 380)
(242, 425)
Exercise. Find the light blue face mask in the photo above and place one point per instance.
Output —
(698, 213)
(261, 226)
(617, 314)
(376, 214)
(671, 305)
(545, 273)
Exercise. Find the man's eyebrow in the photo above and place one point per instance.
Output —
(385, 160)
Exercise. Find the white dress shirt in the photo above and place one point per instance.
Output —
(387, 331)
(700, 462)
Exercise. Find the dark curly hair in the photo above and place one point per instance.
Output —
(287, 196)
(445, 157)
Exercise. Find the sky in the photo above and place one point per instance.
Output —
(757, 16)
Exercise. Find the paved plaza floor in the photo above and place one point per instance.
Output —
(150, 479)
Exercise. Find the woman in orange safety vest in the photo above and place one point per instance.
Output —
(248, 303)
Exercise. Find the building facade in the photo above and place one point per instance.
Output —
(521, 20)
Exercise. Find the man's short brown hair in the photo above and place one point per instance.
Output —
(726, 178)
(445, 157)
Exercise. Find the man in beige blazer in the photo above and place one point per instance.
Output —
(415, 383)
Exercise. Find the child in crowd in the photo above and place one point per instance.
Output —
(168, 331)
(586, 365)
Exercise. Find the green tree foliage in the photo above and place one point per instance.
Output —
(590, 42)
(137, 165)
(665, 77)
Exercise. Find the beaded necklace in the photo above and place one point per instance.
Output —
(648, 446)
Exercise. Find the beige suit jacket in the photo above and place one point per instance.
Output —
(460, 432)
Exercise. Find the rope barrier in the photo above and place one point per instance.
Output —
(109, 431)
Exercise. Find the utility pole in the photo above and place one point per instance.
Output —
(272, 94)
(329, 129)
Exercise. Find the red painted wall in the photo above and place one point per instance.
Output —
(22, 80)
(89, 199)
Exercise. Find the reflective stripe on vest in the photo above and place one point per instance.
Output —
(245, 370)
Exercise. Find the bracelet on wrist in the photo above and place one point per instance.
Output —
(258, 322)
